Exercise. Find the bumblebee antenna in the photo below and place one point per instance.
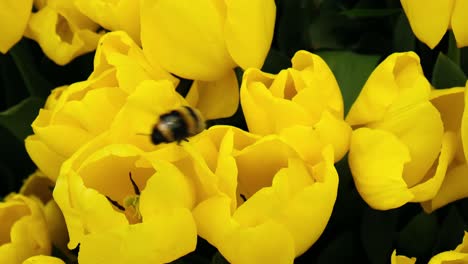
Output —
(143, 134)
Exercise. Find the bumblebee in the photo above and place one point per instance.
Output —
(177, 125)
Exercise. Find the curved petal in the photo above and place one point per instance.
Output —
(429, 20)
(116, 50)
(459, 23)
(215, 99)
(186, 39)
(454, 187)
(398, 73)
(376, 159)
(248, 30)
(449, 256)
(420, 129)
(58, 37)
(168, 188)
(268, 242)
(400, 259)
(41, 259)
(450, 103)
(114, 15)
(47, 160)
(160, 240)
(317, 88)
(428, 189)
(15, 15)
(464, 125)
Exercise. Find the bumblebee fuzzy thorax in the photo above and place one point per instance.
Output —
(177, 125)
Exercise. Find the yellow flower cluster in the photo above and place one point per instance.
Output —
(410, 141)
(260, 196)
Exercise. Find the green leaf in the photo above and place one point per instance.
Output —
(450, 233)
(218, 259)
(15, 164)
(366, 13)
(291, 33)
(275, 62)
(351, 70)
(446, 73)
(403, 37)
(378, 231)
(340, 250)
(418, 236)
(36, 84)
(453, 51)
(18, 118)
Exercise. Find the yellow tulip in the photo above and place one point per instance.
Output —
(149, 222)
(76, 114)
(430, 20)
(204, 41)
(399, 153)
(62, 31)
(40, 186)
(259, 190)
(23, 229)
(15, 15)
(302, 104)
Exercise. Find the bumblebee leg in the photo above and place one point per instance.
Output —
(135, 186)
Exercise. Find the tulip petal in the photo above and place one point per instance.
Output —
(160, 240)
(41, 259)
(114, 15)
(215, 99)
(15, 15)
(459, 23)
(398, 72)
(268, 242)
(59, 36)
(428, 189)
(248, 30)
(47, 160)
(376, 159)
(420, 128)
(429, 21)
(450, 103)
(174, 36)
(464, 125)
(320, 90)
(166, 189)
(454, 187)
(399, 259)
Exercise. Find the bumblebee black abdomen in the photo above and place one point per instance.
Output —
(177, 125)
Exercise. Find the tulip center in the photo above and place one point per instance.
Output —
(63, 29)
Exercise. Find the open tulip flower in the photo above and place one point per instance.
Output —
(71, 112)
(399, 152)
(431, 19)
(123, 206)
(264, 194)
(302, 104)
